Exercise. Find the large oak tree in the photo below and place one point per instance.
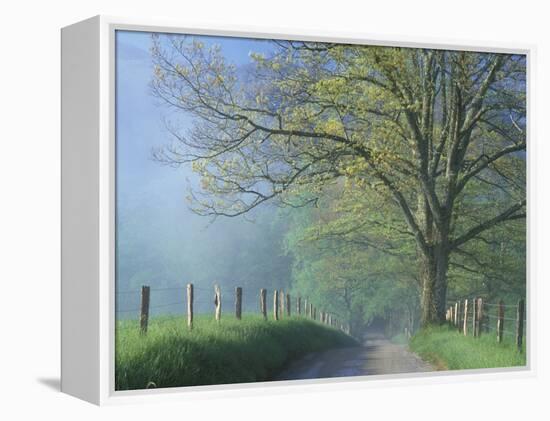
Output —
(427, 133)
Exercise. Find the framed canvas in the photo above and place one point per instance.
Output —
(247, 210)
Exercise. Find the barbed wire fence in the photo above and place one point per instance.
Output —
(474, 316)
(191, 300)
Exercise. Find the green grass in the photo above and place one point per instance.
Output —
(234, 351)
(448, 349)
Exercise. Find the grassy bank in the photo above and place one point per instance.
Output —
(232, 352)
(448, 349)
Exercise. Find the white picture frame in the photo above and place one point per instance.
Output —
(88, 214)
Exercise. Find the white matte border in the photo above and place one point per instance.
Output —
(108, 26)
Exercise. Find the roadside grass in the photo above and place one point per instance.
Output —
(448, 349)
(233, 351)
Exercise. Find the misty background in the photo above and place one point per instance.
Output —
(160, 242)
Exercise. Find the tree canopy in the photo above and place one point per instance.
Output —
(416, 153)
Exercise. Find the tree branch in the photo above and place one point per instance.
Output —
(508, 214)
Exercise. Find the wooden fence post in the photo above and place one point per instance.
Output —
(218, 303)
(479, 323)
(465, 325)
(299, 306)
(500, 321)
(519, 324)
(455, 322)
(474, 317)
(275, 305)
(144, 314)
(281, 303)
(461, 312)
(456, 314)
(190, 306)
(263, 306)
(306, 306)
(238, 302)
(314, 313)
(288, 305)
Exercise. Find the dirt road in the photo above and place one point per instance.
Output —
(377, 355)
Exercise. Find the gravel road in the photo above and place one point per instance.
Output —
(377, 355)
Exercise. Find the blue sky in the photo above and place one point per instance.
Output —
(139, 119)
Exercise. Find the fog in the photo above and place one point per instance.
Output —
(160, 241)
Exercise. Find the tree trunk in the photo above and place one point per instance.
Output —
(433, 264)
(440, 291)
(433, 275)
(426, 268)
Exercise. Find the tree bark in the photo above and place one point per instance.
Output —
(433, 262)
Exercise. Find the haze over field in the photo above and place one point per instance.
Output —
(160, 241)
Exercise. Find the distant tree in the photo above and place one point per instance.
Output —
(437, 137)
(353, 282)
